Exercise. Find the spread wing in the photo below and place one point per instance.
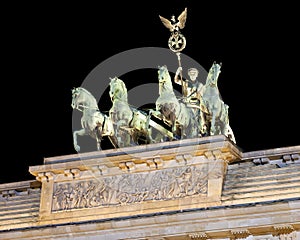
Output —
(182, 19)
(167, 23)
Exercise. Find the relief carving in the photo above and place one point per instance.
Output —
(131, 188)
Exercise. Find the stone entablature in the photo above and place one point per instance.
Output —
(191, 189)
(164, 177)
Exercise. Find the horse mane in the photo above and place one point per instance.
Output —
(89, 94)
(168, 83)
(210, 77)
(84, 90)
(121, 83)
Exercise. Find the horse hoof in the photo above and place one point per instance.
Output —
(77, 148)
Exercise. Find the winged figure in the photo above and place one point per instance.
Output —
(173, 25)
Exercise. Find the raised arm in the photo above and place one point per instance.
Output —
(176, 78)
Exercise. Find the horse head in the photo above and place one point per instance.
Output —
(213, 74)
(117, 90)
(82, 98)
(164, 79)
(163, 74)
(75, 96)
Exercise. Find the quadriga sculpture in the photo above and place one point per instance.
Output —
(127, 125)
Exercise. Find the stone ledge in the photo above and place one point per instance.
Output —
(211, 147)
(20, 186)
(214, 223)
(272, 153)
(143, 151)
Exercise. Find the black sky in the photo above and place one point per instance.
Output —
(49, 49)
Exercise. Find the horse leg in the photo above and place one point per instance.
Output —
(80, 132)
(183, 133)
(122, 137)
(174, 128)
(98, 137)
(148, 128)
(113, 141)
(98, 144)
(213, 124)
(202, 123)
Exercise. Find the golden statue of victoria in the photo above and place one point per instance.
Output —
(198, 113)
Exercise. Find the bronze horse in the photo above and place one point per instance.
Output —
(93, 122)
(181, 117)
(214, 108)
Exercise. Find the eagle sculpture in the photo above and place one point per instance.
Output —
(173, 25)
